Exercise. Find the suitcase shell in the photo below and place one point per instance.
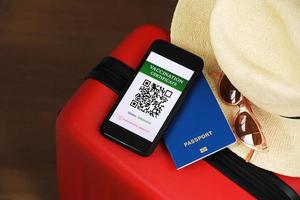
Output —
(91, 167)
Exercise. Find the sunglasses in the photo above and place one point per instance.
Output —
(245, 125)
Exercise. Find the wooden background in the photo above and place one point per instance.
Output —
(46, 49)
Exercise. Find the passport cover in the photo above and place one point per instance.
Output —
(199, 128)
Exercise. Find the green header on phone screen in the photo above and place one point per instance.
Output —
(164, 76)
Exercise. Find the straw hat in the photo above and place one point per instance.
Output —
(257, 45)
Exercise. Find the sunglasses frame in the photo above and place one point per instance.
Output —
(244, 107)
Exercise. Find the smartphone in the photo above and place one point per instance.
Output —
(148, 103)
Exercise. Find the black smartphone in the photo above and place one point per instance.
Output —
(148, 103)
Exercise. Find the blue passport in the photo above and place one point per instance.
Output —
(199, 129)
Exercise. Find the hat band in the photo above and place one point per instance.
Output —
(290, 117)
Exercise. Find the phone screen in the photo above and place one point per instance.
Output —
(151, 96)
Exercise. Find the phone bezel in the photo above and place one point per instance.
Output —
(131, 140)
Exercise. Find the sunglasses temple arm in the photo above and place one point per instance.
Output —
(215, 75)
(249, 155)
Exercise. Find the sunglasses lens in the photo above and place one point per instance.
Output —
(228, 92)
(247, 130)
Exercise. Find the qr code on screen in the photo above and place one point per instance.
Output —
(151, 98)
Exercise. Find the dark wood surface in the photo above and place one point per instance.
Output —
(46, 49)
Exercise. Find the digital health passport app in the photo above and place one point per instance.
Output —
(151, 96)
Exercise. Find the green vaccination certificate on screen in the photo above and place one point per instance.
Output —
(151, 96)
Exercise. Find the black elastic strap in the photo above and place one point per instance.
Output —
(113, 73)
(260, 183)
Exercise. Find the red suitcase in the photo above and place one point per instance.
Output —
(91, 167)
